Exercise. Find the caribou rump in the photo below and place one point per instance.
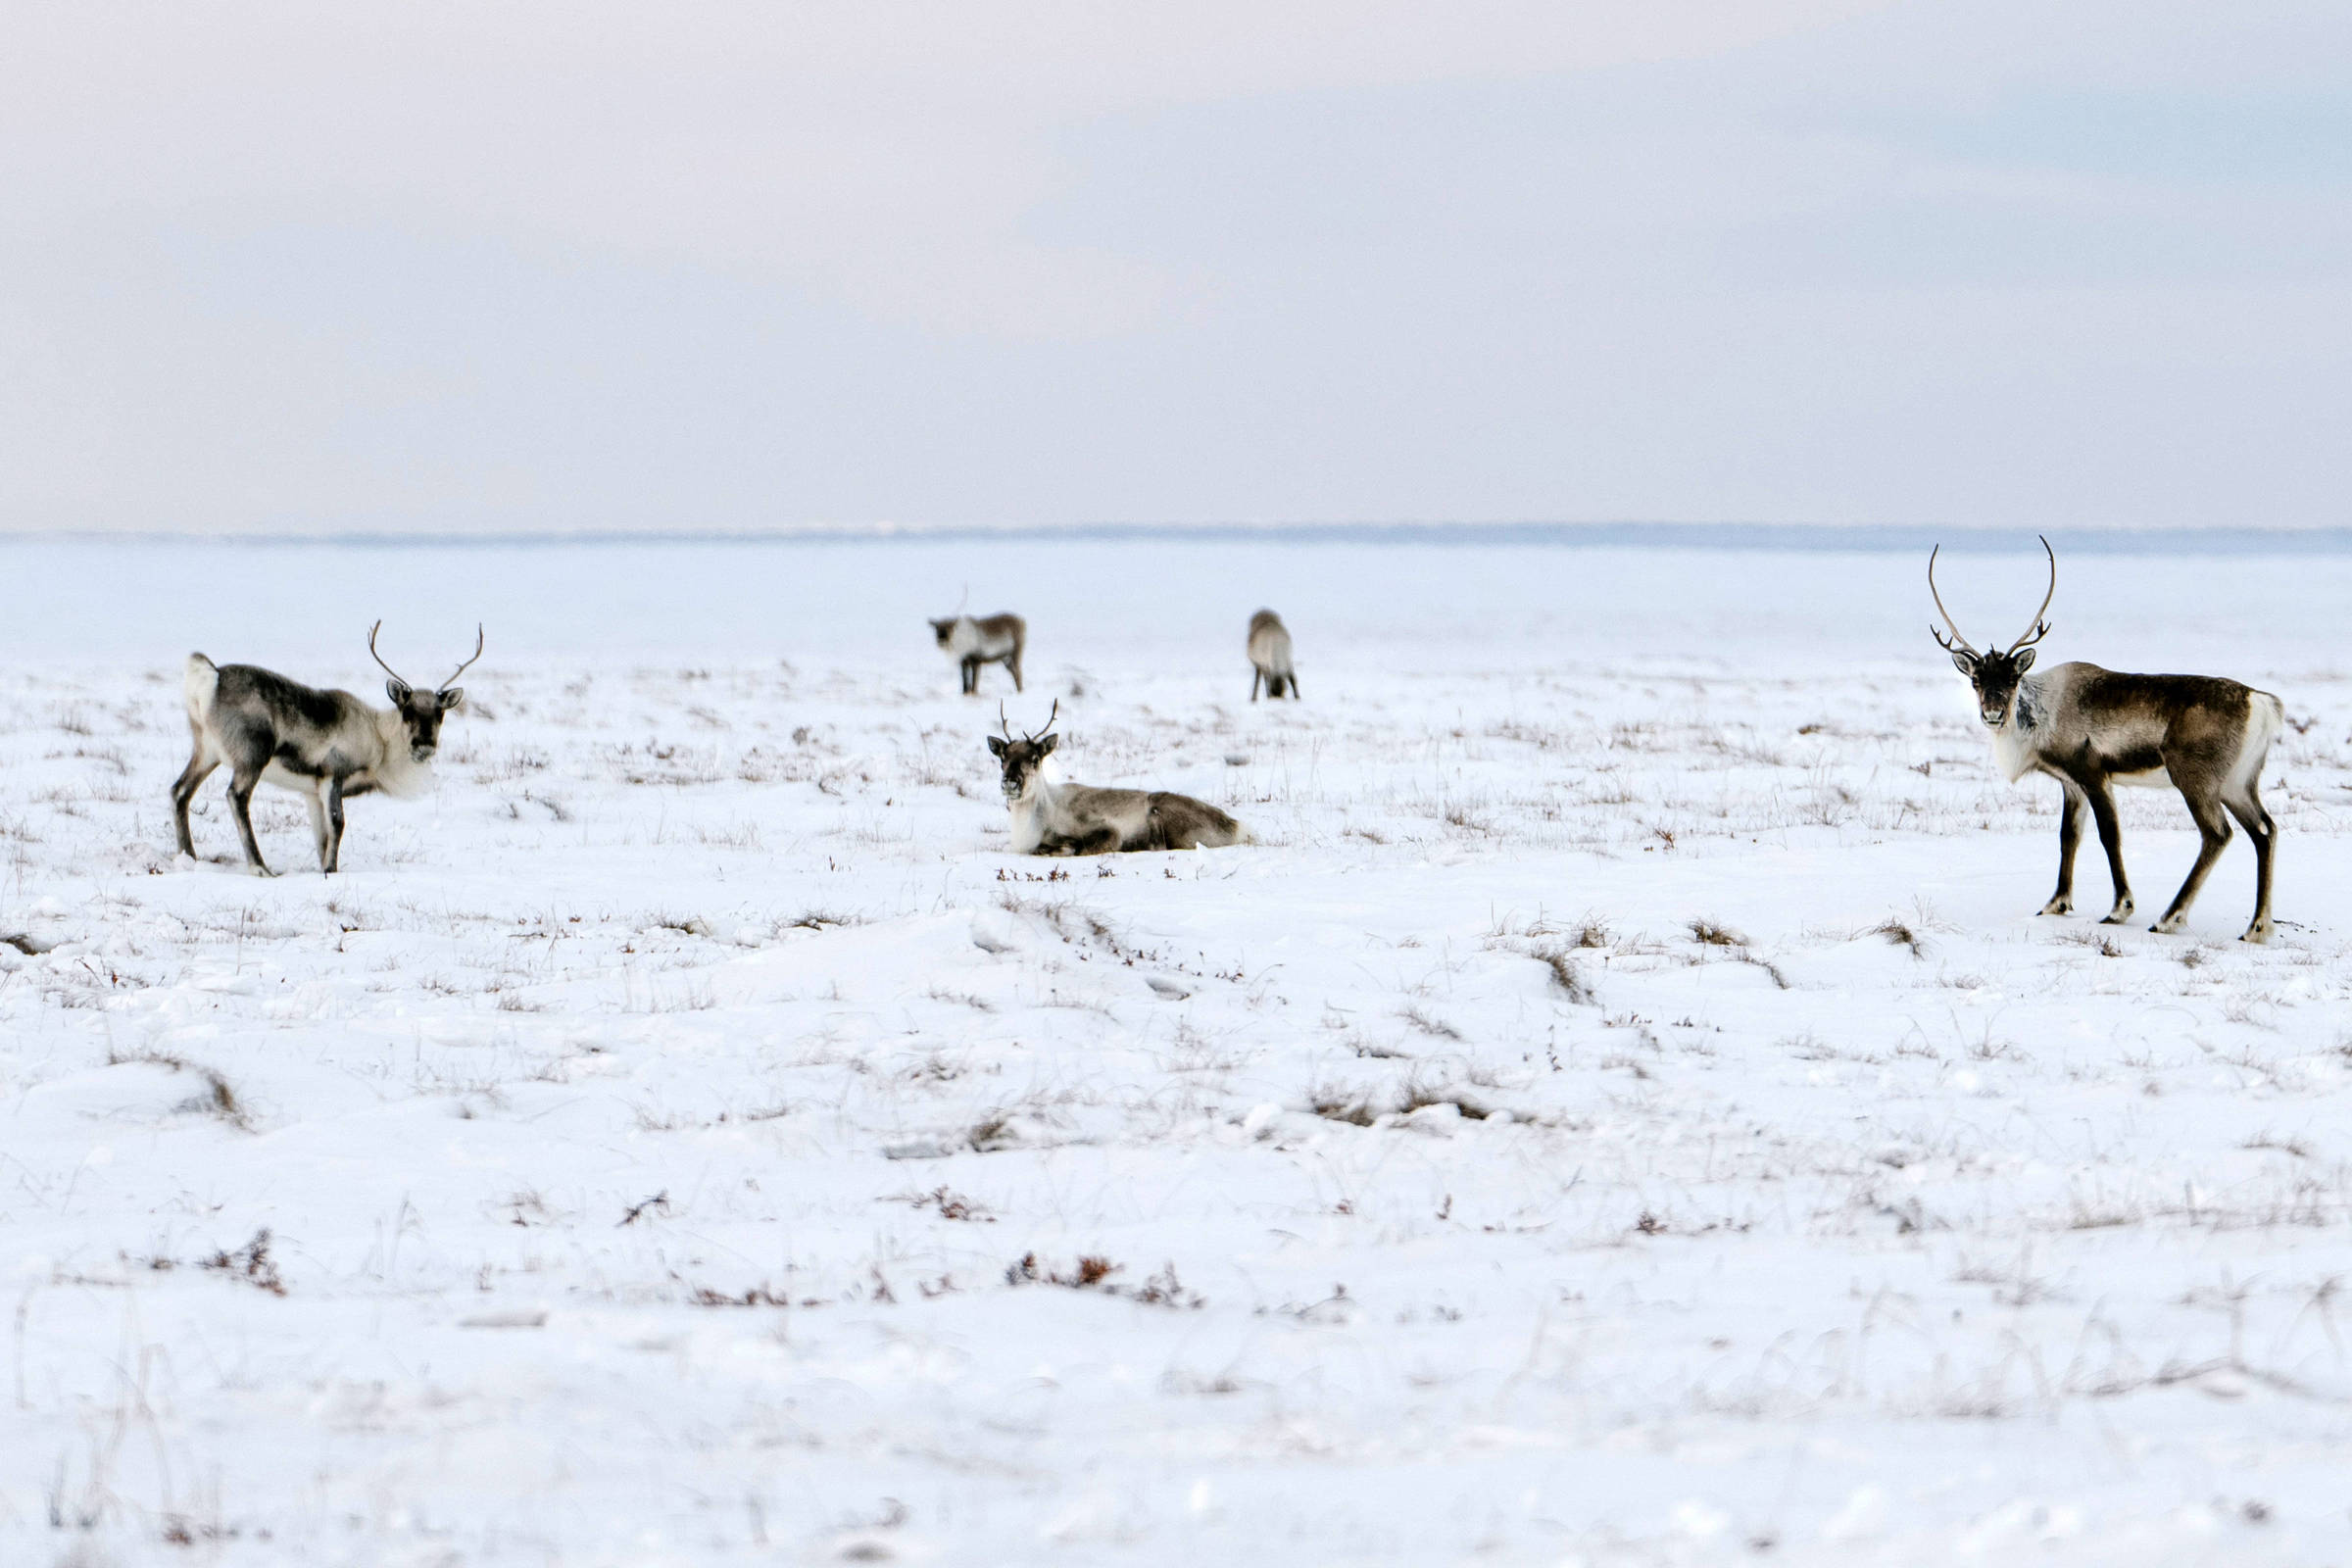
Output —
(1270, 656)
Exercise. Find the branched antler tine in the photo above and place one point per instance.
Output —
(1939, 609)
(1030, 734)
(469, 665)
(1004, 723)
(379, 657)
(2041, 628)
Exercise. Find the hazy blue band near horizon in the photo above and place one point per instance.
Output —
(1895, 538)
(1354, 606)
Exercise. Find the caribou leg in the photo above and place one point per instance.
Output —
(334, 826)
(2213, 829)
(183, 790)
(317, 802)
(2101, 796)
(2265, 834)
(2069, 839)
(242, 785)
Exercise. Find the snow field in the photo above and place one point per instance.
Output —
(1626, 1114)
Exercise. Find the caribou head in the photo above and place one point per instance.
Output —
(1994, 674)
(421, 711)
(1022, 758)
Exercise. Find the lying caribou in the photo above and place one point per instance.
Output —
(324, 746)
(988, 640)
(1057, 818)
(2092, 729)
(1270, 656)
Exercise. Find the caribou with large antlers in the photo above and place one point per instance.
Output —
(324, 746)
(1052, 818)
(2092, 729)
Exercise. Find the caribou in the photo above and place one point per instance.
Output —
(2092, 729)
(324, 746)
(1053, 818)
(986, 640)
(1270, 656)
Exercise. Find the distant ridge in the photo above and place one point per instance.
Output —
(1864, 538)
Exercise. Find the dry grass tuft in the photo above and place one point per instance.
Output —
(1901, 935)
(1566, 977)
(218, 1098)
(251, 1263)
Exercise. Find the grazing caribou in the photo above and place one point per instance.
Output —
(1057, 818)
(988, 640)
(325, 746)
(1270, 656)
(2092, 729)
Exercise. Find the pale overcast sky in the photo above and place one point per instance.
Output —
(479, 266)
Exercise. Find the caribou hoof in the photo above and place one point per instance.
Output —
(2257, 933)
(2059, 907)
(2170, 925)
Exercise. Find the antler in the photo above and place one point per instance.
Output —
(1949, 645)
(379, 657)
(469, 665)
(1004, 723)
(1047, 725)
(2041, 628)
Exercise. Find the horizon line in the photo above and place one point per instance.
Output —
(1870, 538)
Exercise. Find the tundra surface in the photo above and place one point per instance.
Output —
(1622, 1113)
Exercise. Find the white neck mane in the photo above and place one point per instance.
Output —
(2013, 742)
(396, 773)
(1031, 811)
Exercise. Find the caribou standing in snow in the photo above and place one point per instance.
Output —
(324, 746)
(988, 640)
(1057, 818)
(1270, 656)
(2092, 729)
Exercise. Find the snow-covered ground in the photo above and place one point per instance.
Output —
(1626, 1113)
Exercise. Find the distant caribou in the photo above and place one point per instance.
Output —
(1270, 656)
(988, 640)
(1055, 819)
(2091, 729)
(324, 746)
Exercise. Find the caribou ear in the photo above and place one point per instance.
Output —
(1046, 746)
(2024, 661)
(996, 746)
(452, 696)
(1965, 662)
(398, 691)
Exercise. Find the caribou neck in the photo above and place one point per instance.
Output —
(397, 772)
(2016, 743)
(2027, 710)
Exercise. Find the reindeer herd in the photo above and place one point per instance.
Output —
(2088, 728)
